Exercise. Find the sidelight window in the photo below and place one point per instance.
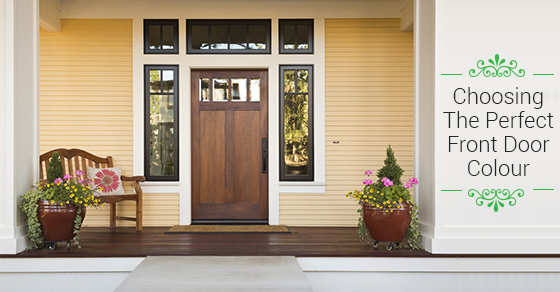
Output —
(161, 123)
(296, 124)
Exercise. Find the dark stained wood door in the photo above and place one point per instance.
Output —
(229, 145)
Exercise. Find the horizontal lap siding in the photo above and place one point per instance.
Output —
(86, 103)
(369, 105)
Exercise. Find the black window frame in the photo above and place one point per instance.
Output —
(175, 176)
(161, 22)
(283, 22)
(311, 162)
(228, 22)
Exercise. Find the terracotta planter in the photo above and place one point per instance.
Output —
(383, 226)
(57, 222)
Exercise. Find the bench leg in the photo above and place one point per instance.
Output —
(113, 214)
(139, 214)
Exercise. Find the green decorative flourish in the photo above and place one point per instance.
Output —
(496, 69)
(494, 197)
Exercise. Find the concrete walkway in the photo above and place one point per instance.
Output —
(216, 273)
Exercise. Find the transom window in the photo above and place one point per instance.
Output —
(161, 161)
(296, 36)
(296, 124)
(228, 36)
(161, 36)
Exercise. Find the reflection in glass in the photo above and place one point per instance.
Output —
(168, 83)
(257, 37)
(255, 89)
(161, 135)
(199, 37)
(220, 90)
(167, 37)
(289, 81)
(296, 134)
(303, 36)
(155, 37)
(219, 37)
(204, 86)
(239, 89)
(237, 37)
(155, 81)
(302, 81)
(289, 37)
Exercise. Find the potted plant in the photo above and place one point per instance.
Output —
(55, 208)
(388, 212)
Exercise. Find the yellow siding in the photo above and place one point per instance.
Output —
(86, 102)
(369, 105)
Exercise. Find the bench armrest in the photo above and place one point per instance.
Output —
(135, 183)
(138, 178)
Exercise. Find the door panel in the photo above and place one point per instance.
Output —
(212, 155)
(229, 123)
(247, 157)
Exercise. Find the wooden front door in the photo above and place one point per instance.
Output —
(229, 145)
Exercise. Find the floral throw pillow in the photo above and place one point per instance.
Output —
(109, 179)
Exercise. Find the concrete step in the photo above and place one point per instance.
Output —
(216, 273)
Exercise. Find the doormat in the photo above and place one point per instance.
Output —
(229, 229)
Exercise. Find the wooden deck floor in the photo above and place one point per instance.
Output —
(302, 242)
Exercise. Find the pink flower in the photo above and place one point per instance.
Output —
(388, 183)
(407, 185)
(67, 176)
(79, 172)
(368, 182)
(368, 172)
(413, 181)
(384, 179)
(58, 180)
(107, 179)
(80, 181)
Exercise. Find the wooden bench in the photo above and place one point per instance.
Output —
(76, 159)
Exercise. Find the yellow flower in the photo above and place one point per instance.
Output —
(80, 202)
(374, 199)
(377, 205)
(371, 191)
(386, 211)
(361, 193)
(378, 192)
(400, 200)
(394, 202)
(102, 204)
(382, 194)
(83, 189)
(370, 197)
(71, 195)
(52, 202)
(389, 206)
(347, 196)
(100, 188)
(391, 210)
(61, 204)
(48, 185)
(65, 184)
(67, 188)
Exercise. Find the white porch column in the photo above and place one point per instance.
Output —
(19, 115)
(492, 194)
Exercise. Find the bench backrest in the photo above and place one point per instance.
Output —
(72, 160)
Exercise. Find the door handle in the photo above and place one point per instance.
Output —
(264, 154)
